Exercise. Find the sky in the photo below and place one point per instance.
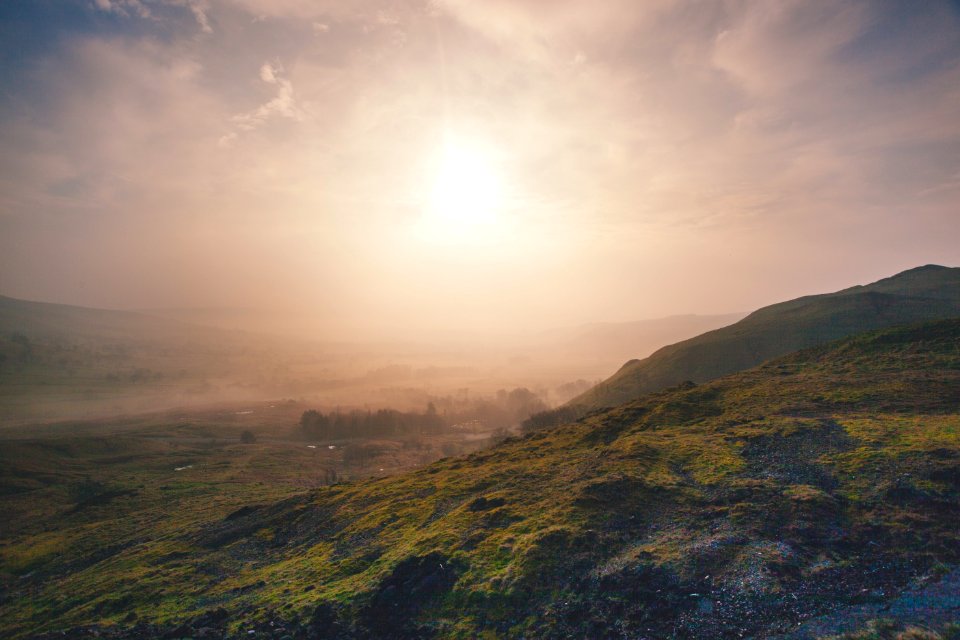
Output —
(390, 168)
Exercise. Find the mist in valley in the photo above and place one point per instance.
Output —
(60, 363)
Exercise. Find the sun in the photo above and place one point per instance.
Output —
(466, 189)
(466, 192)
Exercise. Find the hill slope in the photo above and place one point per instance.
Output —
(45, 320)
(925, 293)
(823, 483)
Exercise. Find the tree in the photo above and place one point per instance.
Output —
(315, 424)
(551, 418)
(522, 403)
(247, 437)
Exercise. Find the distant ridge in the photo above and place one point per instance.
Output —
(53, 320)
(929, 292)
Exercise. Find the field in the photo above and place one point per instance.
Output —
(77, 495)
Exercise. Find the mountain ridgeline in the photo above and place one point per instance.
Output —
(925, 293)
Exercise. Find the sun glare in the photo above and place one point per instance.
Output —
(466, 193)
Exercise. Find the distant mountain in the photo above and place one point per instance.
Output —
(45, 320)
(924, 293)
(61, 361)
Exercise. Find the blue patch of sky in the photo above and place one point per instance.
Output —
(905, 28)
(31, 30)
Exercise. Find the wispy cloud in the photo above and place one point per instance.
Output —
(141, 9)
(123, 7)
(282, 105)
(199, 10)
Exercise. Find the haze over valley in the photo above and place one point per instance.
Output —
(62, 362)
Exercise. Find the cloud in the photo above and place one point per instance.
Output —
(268, 74)
(326, 10)
(199, 11)
(95, 112)
(752, 134)
(282, 105)
(123, 7)
(198, 8)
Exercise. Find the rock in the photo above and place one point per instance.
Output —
(484, 504)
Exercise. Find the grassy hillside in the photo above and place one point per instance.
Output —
(924, 293)
(803, 497)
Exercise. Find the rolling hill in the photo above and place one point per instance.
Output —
(62, 362)
(925, 293)
(797, 499)
(45, 320)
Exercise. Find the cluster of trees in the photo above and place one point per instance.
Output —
(504, 410)
(17, 348)
(501, 412)
(370, 424)
(551, 418)
(570, 390)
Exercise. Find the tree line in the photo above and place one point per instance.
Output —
(504, 410)
(370, 424)
(552, 418)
